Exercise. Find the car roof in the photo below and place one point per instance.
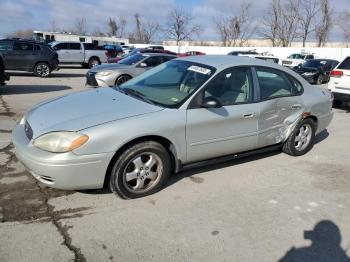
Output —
(155, 54)
(223, 61)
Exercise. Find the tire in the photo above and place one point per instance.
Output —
(319, 80)
(148, 166)
(85, 65)
(94, 61)
(122, 79)
(42, 69)
(298, 143)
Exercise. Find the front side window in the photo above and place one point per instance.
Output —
(170, 83)
(273, 83)
(153, 61)
(231, 86)
(23, 47)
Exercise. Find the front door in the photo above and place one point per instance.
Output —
(232, 128)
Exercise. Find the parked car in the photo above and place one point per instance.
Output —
(113, 51)
(140, 51)
(127, 49)
(190, 53)
(3, 76)
(241, 52)
(316, 71)
(267, 58)
(86, 54)
(129, 67)
(132, 137)
(296, 59)
(339, 83)
(28, 55)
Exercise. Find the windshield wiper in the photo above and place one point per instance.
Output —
(137, 94)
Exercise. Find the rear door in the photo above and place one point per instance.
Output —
(280, 104)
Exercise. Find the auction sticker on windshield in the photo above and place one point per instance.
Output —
(199, 69)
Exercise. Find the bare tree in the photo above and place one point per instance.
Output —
(345, 24)
(26, 34)
(308, 11)
(112, 24)
(122, 26)
(98, 32)
(236, 29)
(179, 26)
(282, 22)
(53, 26)
(270, 23)
(80, 26)
(149, 30)
(324, 24)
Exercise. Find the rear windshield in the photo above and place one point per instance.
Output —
(345, 64)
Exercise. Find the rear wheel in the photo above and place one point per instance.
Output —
(319, 80)
(42, 70)
(122, 79)
(140, 170)
(302, 139)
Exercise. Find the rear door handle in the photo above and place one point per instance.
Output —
(249, 115)
(295, 106)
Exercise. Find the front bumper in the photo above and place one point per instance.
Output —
(66, 171)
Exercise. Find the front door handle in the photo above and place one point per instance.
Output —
(249, 115)
(295, 106)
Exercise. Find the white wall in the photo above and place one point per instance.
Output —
(281, 52)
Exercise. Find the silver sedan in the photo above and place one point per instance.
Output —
(125, 69)
(183, 111)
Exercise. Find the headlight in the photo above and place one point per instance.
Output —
(104, 73)
(60, 142)
(309, 73)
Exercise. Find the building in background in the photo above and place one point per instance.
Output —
(47, 37)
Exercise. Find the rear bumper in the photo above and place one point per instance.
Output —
(66, 171)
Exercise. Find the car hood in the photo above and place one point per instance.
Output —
(85, 109)
(112, 67)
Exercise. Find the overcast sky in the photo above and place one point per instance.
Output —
(39, 14)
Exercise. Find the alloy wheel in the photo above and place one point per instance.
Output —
(303, 137)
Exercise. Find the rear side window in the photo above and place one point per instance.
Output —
(23, 47)
(74, 46)
(153, 61)
(297, 87)
(345, 64)
(89, 46)
(37, 47)
(6, 46)
(273, 83)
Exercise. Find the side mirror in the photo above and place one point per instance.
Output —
(211, 102)
(143, 64)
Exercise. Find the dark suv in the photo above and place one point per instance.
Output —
(28, 55)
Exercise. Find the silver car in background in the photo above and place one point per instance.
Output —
(191, 109)
(125, 69)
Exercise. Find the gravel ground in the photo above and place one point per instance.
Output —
(252, 209)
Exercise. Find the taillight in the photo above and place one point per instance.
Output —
(336, 73)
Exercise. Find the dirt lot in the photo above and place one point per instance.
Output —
(252, 209)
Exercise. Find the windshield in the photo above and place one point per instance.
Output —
(315, 63)
(171, 83)
(296, 56)
(132, 59)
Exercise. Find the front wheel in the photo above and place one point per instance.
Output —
(140, 170)
(42, 70)
(302, 139)
(122, 79)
